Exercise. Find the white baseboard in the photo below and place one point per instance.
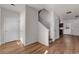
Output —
(7, 42)
(25, 44)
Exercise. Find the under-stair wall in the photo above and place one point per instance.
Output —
(43, 34)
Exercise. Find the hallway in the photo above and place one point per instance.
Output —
(65, 45)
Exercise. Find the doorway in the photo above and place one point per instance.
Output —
(60, 28)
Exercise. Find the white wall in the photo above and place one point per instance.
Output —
(56, 23)
(54, 26)
(31, 25)
(0, 27)
(43, 34)
(73, 25)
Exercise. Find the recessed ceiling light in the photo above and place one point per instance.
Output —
(68, 12)
(13, 4)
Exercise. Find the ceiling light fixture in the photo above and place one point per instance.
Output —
(68, 12)
(13, 4)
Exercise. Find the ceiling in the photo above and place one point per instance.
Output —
(59, 9)
(17, 7)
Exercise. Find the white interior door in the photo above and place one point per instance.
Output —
(11, 26)
(67, 29)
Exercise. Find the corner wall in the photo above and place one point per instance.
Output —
(22, 25)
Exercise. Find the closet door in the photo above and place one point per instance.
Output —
(11, 26)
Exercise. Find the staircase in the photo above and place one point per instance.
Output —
(45, 23)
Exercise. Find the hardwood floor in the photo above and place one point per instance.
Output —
(16, 48)
(65, 45)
